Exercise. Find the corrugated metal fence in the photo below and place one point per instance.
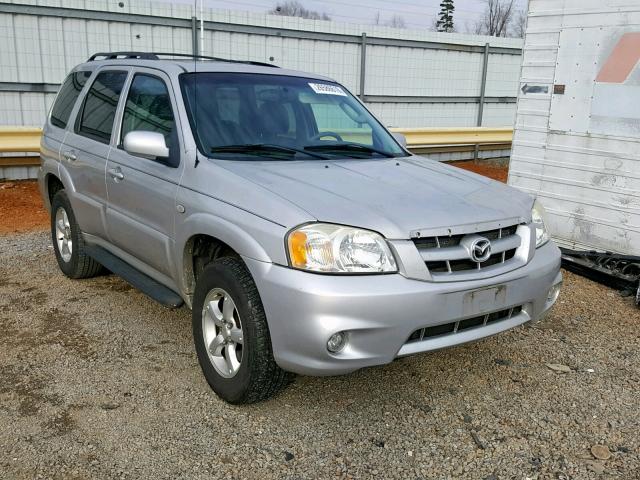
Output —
(409, 78)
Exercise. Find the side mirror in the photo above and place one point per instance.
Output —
(402, 140)
(149, 145)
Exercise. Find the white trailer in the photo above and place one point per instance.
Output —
(577, 131)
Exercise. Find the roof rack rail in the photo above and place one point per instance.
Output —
(217, 59)
(157, 55)
(116, 55)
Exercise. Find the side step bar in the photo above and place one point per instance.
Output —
(136, 278)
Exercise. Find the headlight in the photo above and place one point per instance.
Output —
(537, 219)
(322, 247)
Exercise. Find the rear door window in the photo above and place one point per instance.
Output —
(99, 110)
(67, 97)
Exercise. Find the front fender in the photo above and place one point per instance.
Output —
(225, 231)
(248, 235)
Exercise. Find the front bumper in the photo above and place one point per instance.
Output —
(380, 312)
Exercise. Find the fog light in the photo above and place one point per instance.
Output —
(336, 342)
(554, 291)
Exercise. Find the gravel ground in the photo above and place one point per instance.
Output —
(97, 381)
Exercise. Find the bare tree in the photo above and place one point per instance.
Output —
(396, 22)
(496, 18)
(293, 8)
(519, 23)
(376, 18)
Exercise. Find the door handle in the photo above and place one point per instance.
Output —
(116, 174)
(71, 156)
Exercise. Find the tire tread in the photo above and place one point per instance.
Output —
(267, 378)
(84, 266)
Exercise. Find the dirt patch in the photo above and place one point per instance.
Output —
(22, 389)
(113, 283)
(492, 170)
(60, 328)
(61, 422)
(54, 329)
(21, 208)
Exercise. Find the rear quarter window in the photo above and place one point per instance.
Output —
(66, 99)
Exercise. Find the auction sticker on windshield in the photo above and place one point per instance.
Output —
(327, 89)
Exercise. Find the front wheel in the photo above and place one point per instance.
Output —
(231, 335)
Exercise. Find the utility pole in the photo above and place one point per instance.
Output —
(201, 27)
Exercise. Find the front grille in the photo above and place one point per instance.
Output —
(462, 265)
(462, 325)
(445, 255)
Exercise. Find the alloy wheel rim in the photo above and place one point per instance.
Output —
(222, 332)
(63, 235)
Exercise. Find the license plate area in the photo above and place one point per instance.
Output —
(484, 300)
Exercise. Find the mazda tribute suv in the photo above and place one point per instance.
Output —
(302, 234)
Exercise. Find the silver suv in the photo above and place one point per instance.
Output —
(302, 234)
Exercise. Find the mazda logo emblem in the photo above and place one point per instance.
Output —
(480, 250)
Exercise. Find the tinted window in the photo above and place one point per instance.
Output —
(148, 108)
(238, 109)
(100, 105)
(67, 97)
(343, 119)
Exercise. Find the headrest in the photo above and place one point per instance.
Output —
(275, 118)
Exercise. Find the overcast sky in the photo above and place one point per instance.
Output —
(416, 13)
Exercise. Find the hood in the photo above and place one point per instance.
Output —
(395, 196)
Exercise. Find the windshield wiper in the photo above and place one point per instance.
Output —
(349, 147)
(260, 148)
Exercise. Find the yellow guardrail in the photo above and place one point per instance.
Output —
(27, 139)
(441, 139)
(426, 137)
(20, 139)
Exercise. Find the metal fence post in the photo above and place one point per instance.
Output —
(483, 89)
(194, 36)
(363, 63)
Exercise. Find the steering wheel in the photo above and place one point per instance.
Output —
(326, 134)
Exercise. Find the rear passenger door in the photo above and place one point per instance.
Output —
(142, 192)
(86, 148)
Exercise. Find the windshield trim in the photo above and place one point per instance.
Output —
(182, 76)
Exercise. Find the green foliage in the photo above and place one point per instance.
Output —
(445, 21)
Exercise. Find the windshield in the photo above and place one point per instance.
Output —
(252, 116)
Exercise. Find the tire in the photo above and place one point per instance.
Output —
(257, 377)
(73, 261)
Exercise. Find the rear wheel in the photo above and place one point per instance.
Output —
(231, 335)
(67, 240)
